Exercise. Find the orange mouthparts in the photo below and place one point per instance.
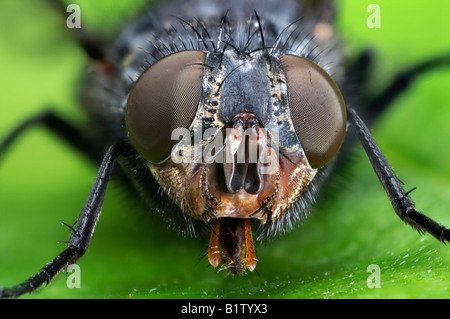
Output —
(232, 241)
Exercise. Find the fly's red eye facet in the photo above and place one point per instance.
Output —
(317, 109)
(165, 97)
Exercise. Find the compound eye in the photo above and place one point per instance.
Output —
(317, 109)
(165, 97)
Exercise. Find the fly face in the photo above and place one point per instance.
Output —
(256, 126)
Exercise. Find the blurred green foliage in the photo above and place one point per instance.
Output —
(43, 182)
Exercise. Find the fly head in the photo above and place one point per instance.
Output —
(235, 134)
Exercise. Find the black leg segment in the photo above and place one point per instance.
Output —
(400, 84)
(62, 128)
(81, 236)
(402, 203)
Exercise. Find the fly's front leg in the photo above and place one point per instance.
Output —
(400, 200)
(81, 235)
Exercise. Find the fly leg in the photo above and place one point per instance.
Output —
(94, 50)
(402, 203)
(62, 128)
(400, 200)
(399, 85)
(82, 233)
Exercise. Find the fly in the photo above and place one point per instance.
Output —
(236, 115)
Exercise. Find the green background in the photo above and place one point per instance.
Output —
(43, 182)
